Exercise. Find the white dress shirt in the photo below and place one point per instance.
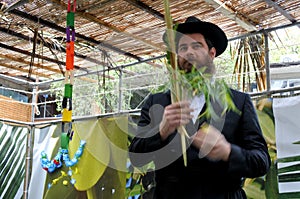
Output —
(197, 104)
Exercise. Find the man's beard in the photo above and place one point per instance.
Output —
(188, 65)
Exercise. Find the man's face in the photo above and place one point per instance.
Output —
(193, 51)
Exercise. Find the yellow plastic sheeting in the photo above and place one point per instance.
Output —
(106, 145)
(116, 130)
(95, 157)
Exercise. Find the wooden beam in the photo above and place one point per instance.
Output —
(146, 8)
(24, 70)
(21, 60)
(37, 55)
(16, 5)
(281, 11)
(54, 26)
(228, 12)
(33, 51)
(94, 19)
(94, 5)
(47, 44)
(139, 4)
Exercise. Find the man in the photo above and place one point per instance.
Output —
(218, 157)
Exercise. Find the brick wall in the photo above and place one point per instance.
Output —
(14, 110)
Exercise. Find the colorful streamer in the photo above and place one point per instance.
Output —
(62, 155)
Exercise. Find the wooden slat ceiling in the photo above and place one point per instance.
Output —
(125, 30)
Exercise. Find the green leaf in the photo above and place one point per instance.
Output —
(291, 195)
(289, 168)
(293, 177)
(297, 142)
(289, 159)
(271, 183)
(213, 91)
(13, 150)
(135, 191)
(267, 126)
(254, 191)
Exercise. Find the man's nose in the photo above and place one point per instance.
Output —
(190, 52)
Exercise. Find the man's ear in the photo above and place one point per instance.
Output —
(212, 52)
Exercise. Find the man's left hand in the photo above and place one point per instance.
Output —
(211, 143)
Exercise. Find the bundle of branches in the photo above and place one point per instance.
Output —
(250, 58)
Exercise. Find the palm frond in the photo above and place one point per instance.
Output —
(12, 159)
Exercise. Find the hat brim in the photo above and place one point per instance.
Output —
(209, 30)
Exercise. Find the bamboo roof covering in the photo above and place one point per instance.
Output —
(33, 32)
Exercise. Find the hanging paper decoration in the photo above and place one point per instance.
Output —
(62, 156)
(69, 75)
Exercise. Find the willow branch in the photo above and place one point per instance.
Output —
(176, 94)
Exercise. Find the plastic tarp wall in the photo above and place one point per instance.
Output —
(287, 129)
(101, 170)
(45, 140)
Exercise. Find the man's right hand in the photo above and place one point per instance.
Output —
(175, 115)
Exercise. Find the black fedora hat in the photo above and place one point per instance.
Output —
(209, 30)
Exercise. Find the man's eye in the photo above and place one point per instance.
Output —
(197, 46)
(183, 48)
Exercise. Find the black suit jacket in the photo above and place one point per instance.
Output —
(202, 178)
